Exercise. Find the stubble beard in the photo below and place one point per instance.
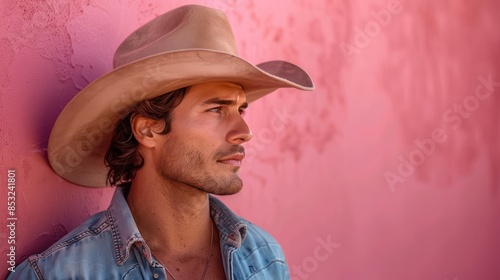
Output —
(186, 165)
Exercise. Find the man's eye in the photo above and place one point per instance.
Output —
(242, 111)
(216, 110)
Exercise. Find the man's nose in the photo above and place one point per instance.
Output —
(240, 132)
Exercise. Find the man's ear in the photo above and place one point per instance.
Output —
(144, 130)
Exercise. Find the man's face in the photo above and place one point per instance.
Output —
(203, 149)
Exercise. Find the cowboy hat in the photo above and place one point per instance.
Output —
(186, 46)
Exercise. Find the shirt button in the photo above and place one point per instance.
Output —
(156, 275)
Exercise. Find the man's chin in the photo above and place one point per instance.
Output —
(224, 185)
(228, 192)
(234, 186)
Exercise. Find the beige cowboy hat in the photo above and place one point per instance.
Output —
(188, 45)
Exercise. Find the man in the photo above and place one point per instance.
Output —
(176, 98)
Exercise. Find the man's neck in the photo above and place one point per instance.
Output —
(173, 219)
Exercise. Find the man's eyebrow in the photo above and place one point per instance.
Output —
(219, 101)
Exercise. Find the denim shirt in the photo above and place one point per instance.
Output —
(109, 246)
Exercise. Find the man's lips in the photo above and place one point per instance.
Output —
(234, 159)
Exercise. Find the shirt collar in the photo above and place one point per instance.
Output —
(124, 228)
(126, 234)
(231, 228)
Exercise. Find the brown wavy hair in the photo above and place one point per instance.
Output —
(122, 156)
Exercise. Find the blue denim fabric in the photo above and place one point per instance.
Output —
(109, 246)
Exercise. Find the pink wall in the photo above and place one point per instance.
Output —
(389, 75)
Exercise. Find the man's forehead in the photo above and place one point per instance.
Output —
(208, 92)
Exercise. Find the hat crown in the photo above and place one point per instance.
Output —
(185, 28)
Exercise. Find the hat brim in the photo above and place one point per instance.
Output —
(82, 132)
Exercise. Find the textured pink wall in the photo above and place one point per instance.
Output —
(390, 170)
